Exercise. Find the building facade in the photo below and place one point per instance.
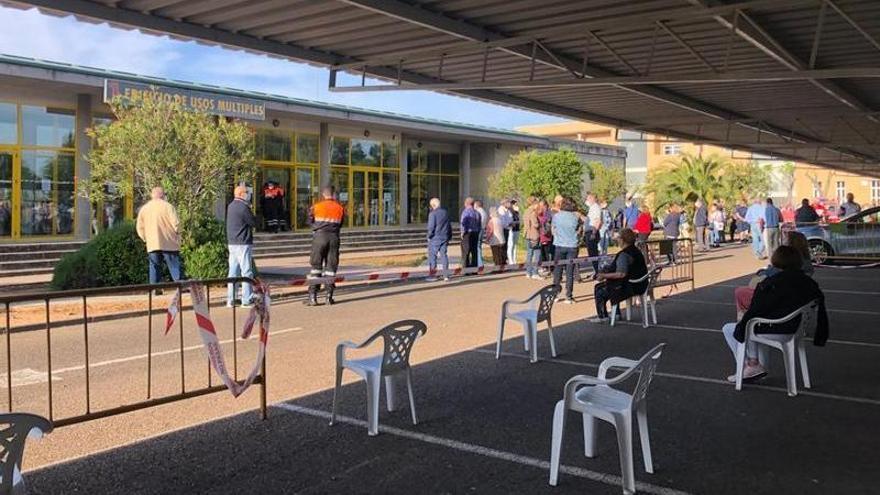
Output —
(385, 166)
(646, 152)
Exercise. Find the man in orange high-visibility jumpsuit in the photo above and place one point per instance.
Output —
(326, 219)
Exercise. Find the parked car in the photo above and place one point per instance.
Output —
(854, 237)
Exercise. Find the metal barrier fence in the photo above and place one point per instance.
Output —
(676, 256)
(45, 299)
(855, 240)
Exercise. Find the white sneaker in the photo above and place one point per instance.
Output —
(229, 305)
(568, 300)
(446, 279)
(598, 320)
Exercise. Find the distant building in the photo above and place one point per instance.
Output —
(811, 182)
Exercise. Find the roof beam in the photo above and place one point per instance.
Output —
(752, 32)
(468, 31)
(655, 79)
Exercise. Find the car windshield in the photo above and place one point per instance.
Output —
(868, 216)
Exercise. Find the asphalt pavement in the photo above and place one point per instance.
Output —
(484, 423)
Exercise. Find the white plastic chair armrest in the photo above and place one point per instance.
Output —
(515, 302)
(640, 279)
(615, 362)
(574, 382)
(347, 344)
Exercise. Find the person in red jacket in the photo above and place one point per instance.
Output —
(644, 223)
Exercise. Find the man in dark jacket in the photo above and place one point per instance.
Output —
(805, 215)
(240, 222)
(439, 235)
(776, 297)
(701, 222)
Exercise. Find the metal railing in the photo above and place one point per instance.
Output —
(676, 256)
(73, 297)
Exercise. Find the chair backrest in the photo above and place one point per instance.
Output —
(653, 276)
(545, 298)
(646, 367)
(809, 318)
(399, 338)
(808, 314)
(14, 430)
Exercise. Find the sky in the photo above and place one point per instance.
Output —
(28, 33)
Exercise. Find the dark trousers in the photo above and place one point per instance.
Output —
(593, 247)
(324, 259)
(561, 254)
(469, 244)
(614, 292)
(499, 255)
(172, 260)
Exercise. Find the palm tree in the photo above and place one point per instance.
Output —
(685, 180)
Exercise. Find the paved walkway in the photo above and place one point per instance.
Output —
(484, 424)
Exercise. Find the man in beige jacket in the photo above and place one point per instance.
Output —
(159, 227)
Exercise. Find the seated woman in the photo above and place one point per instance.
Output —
(629, 264)
(775, 297)
(743, 295)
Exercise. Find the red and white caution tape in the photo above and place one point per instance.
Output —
(209, 335)
(483, 270)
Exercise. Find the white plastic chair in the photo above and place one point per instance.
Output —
(783, 342)
(595, 398)
(398, 339)
(646, 298)
(538, 308)
(14, 430)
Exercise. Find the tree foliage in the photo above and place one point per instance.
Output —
(540, 174)
(709, 178)
(606, 183)
(192, 155)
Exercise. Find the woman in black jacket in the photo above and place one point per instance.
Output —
(776, 297)
(615, 286)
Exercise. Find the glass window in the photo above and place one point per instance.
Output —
(418, 199)
(273, 145)
(390, 193)
(306, 148)
(390, 156)
(671, 149)
(366, 152)
(339, 179)
(339, 150)
(416, 160)
(841, 191)
(433, 162)
(449, 195)
(47, 127)
(47, 193)
(8, 123)
(450, 163)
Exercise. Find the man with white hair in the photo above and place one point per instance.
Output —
(240, 223)
(439, 235)
(701, 222)
(159, 227)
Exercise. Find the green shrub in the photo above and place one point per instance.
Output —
(204, 250)
(122, 257)
(115, 257)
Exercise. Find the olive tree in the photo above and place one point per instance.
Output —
(192, 155)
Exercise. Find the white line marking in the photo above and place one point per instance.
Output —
(718, 331)
(608, 479)
(134, 358)
(697, 301)
(831, 291)
(861, 400)
(26, 376)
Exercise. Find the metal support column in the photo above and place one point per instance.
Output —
(464, 182)
(403, 183)
(324, 154)
(83, 147)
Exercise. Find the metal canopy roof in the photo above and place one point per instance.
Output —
(793, 79)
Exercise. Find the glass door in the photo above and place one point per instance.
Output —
(366, 194)
(274, 203)
(305, 195)
(47, 202)
(6, 207)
